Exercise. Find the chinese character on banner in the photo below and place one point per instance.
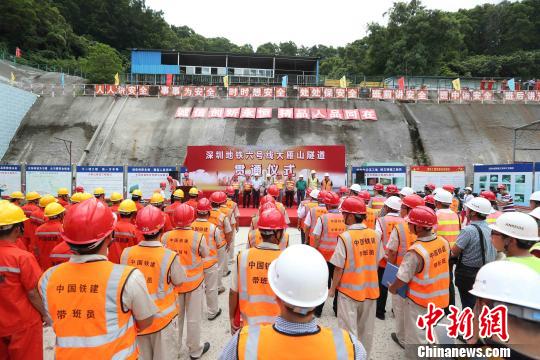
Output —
(248, 113)
(340, 93)
(335, 114)
(301, 113)
(144, 90)
(132, 90)
(164, 90)
(310, 155)
(239, 169)
(256, 92)
(111, 89)
(466, 95)
(216, 112)
(399, 94)
(328, 92)
(269, 155)
(300, 155)
(460, 322)
(410, 94)
(520, 95)
(289, 169)
(122, 90)
(509, 95)
(220, 155)
(272, 169)
(229, 155)
(239, 155)
(268, 92)
(487, 95)
(281, 92)
(285, 113)
(376, 94)
(233, 91)
(244, 92)
(176, 90)
(183, 112)
(352, 93)
(199, 112)
(321, 154)
(187, 91)
(422, 95)
(368, 114)
(264, 113)
(256, 169)
(477, 95)
(259, 155)
(388, 94)
(209, 155)
(315, 92)
(233, 113)
(494, 322)
(428, 321)
(444, 95)
(210, 91)
(531, 95)
(99, 89)
(289, 155)
(318, 113)
(351, 114)
(455, 95)
(279, 155)
(303, 92)
(198, 91)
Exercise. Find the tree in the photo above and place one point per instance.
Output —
(268, 49)
(288, 48)
(102, 63)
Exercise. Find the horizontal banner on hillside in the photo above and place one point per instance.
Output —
(280, 113)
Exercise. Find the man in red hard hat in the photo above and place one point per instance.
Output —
(219, 218)
(304, 207)
(275, 192)
(162, 271)
(254, 235)
(429, 188)
(506, 203)
(96, 306)
(378, 199)
(492, 198)
(235, 184)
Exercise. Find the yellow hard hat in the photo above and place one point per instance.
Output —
(178, 193)
(63, 191)
(17, 195)
(32, 195)
(193, 191)
(127, 206)
(10, 214)
(86, 196)
(156, 198)
(99, 191)
(46, 200)
(54, 209)
(137, 192)
(116, 197)
(76, 198)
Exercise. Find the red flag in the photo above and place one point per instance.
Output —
(168, 82)
(18, 52)
(401, 83)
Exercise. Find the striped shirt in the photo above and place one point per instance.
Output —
(508, 203)
(469, 242)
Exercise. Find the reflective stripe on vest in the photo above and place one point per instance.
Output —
(377, 202)
(235, 185)
(218, 218)
(406, 239)
(61, 256)
(248, 186)
(187, 248)
(431, 284)
(10, 269)
(371, 218)
(388, 223)
(492, 218)
(360, 280)
(448, 226)
(255, 238)
(308, 205)
(209, 231)
(332, 226)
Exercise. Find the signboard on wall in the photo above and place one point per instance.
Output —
(10, 179)
(47, 179)
(367, 176)
(148, 179)
(111, 178)
(438, 175)
(537, 176)
(518, 179)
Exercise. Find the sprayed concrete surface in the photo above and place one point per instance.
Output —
(218, 334)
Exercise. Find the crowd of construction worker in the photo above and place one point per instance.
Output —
(117, 278)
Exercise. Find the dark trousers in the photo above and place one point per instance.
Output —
(467, 299)
(289, 198)
(236, 196)
(302, 236)
(256, 197)
(246, 198)
(465, 278)
(451, 288)
(300, 195)
(319, 309)
(383, 290)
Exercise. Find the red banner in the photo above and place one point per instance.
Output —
(301, 113)
(183, 112)
(351, 114)
(318, 113)
(264, 113)
(216, 113)
(233, 113)
(199, 112)
(248, 113)
(280, 92)
(285, 113)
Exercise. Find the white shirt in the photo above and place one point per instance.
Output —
(318, 226)
(378, 228)
(234, 268)
(178, 275)
(307, 221)
(257, 183)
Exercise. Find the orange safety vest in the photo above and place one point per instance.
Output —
(209, 230)
(431, 284)
(247, 186)
(263, 342)
(448, 226)
(455, 205)
(186, 243)
(308, 204)
(377, 202)
(360, 280)
(332, 225)
(257, 300)
(326, 185)
(371, 217)
(47, 237)
(155, 263)
(406, 239)
(279, 184)
(290, 185)
(217, 217)
(254, 221)
(387, 225)
(315, 213)
(84, 302)
(492, 218)
(230, 204)
(280, 207)
(255, 238)
(235, 185)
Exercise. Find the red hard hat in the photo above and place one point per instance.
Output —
(271, 219)
(273, 190)
(430, 186)
(343, 189)
(430, 199)
(489, 195)
(378, 187)
(289, 175)
(218, 197)
(266, 206)
(267, 198)
(203, 205)
(162, 184)
(354, 205)
(308, 191)
(392, 189)
(412, 201)
(501, 187)
(229, 190)
(150, 220)
(169, 177)
(422, 216)
(331, 198)
(79, 189)
(183, 215)
(322, 195)
(364, 195)
(449, 188)
(88, 222)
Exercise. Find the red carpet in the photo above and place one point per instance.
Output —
(246, 214)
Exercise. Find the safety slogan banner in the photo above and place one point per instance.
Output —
(111, 178)
(214, 166)
(537, 176)
(518, 179)
(47, 179)
(386, 175)
(438, 175)
(10, 179)
(148, 179)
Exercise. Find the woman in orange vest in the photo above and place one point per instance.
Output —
(96, 306)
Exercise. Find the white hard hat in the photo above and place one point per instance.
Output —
(326, 174)
(299, 276)
(535, 213)
(356, 188)
(300, 176)
(443, 196)
(314, 194)
(406, 191)
(480, 205)
(535, 196)
(517, 225)
(313, 172)
(468, 188)
(436, 190)
(393, 202)
(509, 282)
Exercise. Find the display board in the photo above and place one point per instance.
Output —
(518, 179)
(367, 176)
(47, 179)
(148, 179)
(111, 178)
(537, 176)
(10, 179)
(438, 175)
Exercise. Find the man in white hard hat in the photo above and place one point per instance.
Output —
(535, 249)
(313, 181)
(298, 277)
(304, 208)
(405, 191)
(354, 190)
(534, 200)
(473, 248)
(327, 184)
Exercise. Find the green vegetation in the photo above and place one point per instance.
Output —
(96, 35)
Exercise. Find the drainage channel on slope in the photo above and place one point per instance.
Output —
(420, 156)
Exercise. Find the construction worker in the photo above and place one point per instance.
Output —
(255, 217)
(506, 203)
(430, 202)
(343, 193)
(48, 234)
(290, 185)
(313, 182)
(355, 258)
(99, 193)
(191, 247)
(301, 188)
(280, 184)
(378, 199)
(325, 234)
(32, 200)
(236, 187)
(312, 216)
(515, 233)
(473, 248)
(22, 312)
(37, 218)
(162, 271)
(125, 233)
(116, 199)
(425, 269)
(176, 200)
(247, 186)
(266, 184)
(326, 183)
(186, 181)
(429, 188)
(455, 201)
(534, 200)
(371, 214)
(210, 263)
(400, 241)
(193, 197)
(492, 198)
(229, 213)
(60, 253)
(158, 201)
(250, 291)
(391, 190)
(218, 218)
(136, 195)
(79, 189)
(232, 205)
(274, 191)
(16, 198)
(535, 249)
(256, 190)
(254, 235)
(96, 306)
(304, 208)
(405, 191)
(298, 278)
(384, 226)
(355, 189)
(63, 196)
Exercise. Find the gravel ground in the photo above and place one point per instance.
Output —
(217, 332)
